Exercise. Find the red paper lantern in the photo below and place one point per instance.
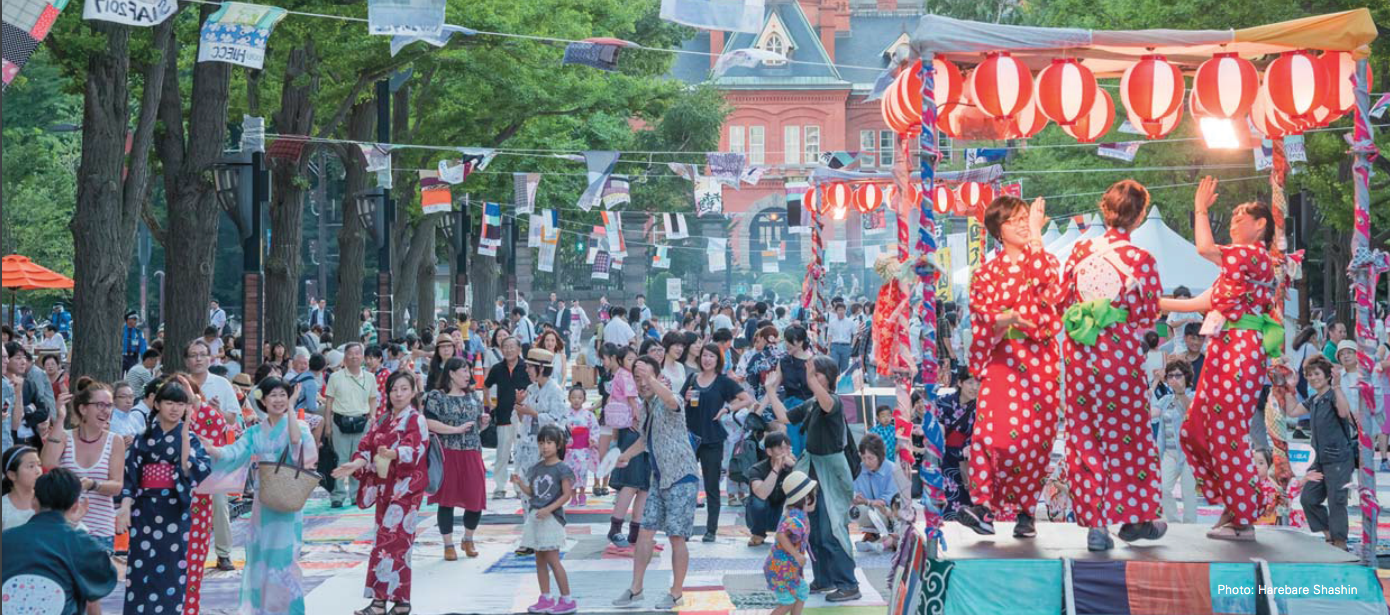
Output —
(1297, 82)
(1340, 67)
(901, 104)
(1151, 88)
(1001, 85)
(972, 195)
(1226, 86)
(1162, 128)
(867, 198)
(837, 197)
(1097, 122)
(1027, 123)
(943, 199)
(1261, 118)
(1066, 91)
(811, 201)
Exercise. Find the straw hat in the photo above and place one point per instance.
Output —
(243, 380)
(797, 486)
(540, 357)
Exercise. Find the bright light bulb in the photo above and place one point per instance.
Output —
(840, 212)
(1219, 133)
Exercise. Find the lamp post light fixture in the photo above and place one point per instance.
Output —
(241, 184)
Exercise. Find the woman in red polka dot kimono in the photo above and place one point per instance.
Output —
(206, 422)
(1013, 351)
(1242, 335)
(1112, 288)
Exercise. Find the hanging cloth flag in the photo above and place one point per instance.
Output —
(976, 156)
(709, 196)
(602, 263)
(1294, 149)
(875, 221)
(1264, 155)
(752, 175)
(25, 24)
(1080, 222)
(1119, 151)
(533, 231)
(747, 57)
(732, 15)
(408, 17)
(252, 134)
(616, 193)
(617, 263)
(835, 251)
(600, 167)
(524, 191)
(435, 197)
(770, 264)
(881, 84)
(378, 157)
(685, 171)
(674, 224)
(491, 236)
(725, 167)
(715, 252)
(600, 53)
(399, 41)
(840, 160)
(129, 12)
(237, 34)
(613, 226)
(474, 159)
(663, 258)
(550, 239)
(1378, 109)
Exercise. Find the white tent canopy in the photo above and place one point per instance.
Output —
(1050, 235)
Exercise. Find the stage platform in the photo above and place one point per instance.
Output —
(1182, 543)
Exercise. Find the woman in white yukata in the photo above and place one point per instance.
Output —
(272, 581)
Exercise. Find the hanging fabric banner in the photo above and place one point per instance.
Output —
(129, 12)
(1264, 155)
(974, 242)
(709, 196)
(715, 251)
(435, 197)
(491, 236)
(770, 264)
(616, 193)
(835, 251)
(1294, 150)
(1378, 109)
(875, 221)
(617, 263)
(731, 15)
(602, 264)
(1119, 151)
(550, 239)
(603, 56)
(399, 41)
(674, 225)
(524, 187)
(748, 57)
(685, 171)
(533, 230)
(237, 33)
(25, 24)
(474, 159)
(662, 260)
(407, 17)
(840, 160)
(881, 84)
(378, 159)
(727, 168)
(600, 167)
(943, 282)
(752, 175)
(613, 227)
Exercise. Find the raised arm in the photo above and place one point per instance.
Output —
(1201, 222)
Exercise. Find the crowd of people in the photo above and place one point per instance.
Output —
(727, 404)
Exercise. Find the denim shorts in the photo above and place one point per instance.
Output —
(800, 594)
(106, 542)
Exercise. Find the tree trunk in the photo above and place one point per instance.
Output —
(424, 287)
(108, 205)
(295, 117)
(194, 216)
(408, 265)
(485, 276)
(352, 245)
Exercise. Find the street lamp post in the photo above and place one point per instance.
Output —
(386, 214)
(457, 233)
(242, 185)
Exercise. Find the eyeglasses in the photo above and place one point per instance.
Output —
(1018, 220)
(102, 405)
(1176, 375)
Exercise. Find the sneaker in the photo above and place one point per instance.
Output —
(564, 606)
(1148, 530)
(499, 495)
(628, 599)
(709, 537)
(1025, 528)
(1098, 539)
(620, 540)
(1385, 465)
(843, 595)
(541, 606)
(816, 589)
(669, 602)
(869, 547)
(977, 518)
(583, 499)
(335, 504)
(225, 564)
(524, 552)
(756, 541)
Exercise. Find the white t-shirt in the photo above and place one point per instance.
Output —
(842, 329)
(12, 515)
(219, 388)
(618, 332)
(721, 321)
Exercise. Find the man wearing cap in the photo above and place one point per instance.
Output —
(675, 484)
(132, 341)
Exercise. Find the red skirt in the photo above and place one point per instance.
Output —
(465, 481)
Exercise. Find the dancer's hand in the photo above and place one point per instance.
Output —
(348, 469)
(387, 452)
(1011, 318)
(1312, 476)
(1206, 195)
(1037, 218)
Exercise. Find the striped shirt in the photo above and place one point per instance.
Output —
(101, 509)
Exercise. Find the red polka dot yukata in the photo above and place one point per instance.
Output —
(1214, 434)
(208, 423)
(1017, 411)
(1112, 463)
(397, 500)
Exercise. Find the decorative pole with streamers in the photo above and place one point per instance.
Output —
(1366, 265)
(812, 300)
(925, 268)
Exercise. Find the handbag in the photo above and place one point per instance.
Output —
(328, 460)
(285, 487)
(434, 466)
(851, 450)
(350, 424)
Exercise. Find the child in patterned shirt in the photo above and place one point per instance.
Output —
(886, 429)
(785, 566)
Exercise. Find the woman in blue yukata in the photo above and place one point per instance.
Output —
(272, 581)
(161, 470)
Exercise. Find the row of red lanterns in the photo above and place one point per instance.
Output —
(836, 198)
(1000, 99)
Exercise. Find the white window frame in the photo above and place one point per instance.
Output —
(736, 143)
(811, 144)
(886, 154)
(868, 149)
(757, 144)
(791, 145)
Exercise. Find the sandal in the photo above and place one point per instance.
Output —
(377, 607)
(1233, 533)
(397, 610)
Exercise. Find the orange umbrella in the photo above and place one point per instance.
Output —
(20, 273)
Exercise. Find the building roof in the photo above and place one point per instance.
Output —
(805, 40)
(869, 35)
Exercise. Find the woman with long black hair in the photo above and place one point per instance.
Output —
(456, 417)
(709, 394)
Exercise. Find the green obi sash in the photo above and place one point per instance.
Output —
(1271, 332)
(1085, 321)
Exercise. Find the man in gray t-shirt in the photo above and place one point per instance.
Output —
(1334, 451)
